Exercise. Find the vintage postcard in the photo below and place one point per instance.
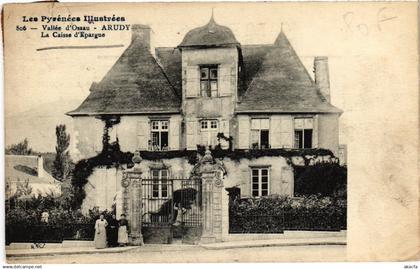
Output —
(211, 132)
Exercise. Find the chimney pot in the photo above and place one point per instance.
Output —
(322, 77)
(141, 33)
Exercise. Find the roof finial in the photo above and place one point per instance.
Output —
(211, 23)
(281, 27)
(212, 16)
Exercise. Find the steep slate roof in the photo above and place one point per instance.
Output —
(282, 83)
(135, 84)
(252, 59)
(209, 35)
(273, 79)
(170, 59)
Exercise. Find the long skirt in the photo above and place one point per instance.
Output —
(100, 238)
(122, 235)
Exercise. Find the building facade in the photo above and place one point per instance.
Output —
(28, 172)
(209, 91)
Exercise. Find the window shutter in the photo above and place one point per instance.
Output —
(225, 81)
(286, 132)
(315, 132)
(243, 131)
(143, 134)
(192, 81)
(191, 134)
(224, 128)
(275, 131)
(287, 181)
(99, 126)
(174, 127)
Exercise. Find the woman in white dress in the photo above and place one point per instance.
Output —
(100, 232)
(123, 231)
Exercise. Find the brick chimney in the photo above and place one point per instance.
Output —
(322, 77)
(40, 167)
(141, 33)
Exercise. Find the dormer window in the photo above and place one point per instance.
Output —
(208, 80)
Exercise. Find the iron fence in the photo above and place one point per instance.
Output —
(287, 220)
(256, 224)
(315, 221)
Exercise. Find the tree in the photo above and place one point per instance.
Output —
(326, 179)
(23, 188)
(21, 148)
(62, 163)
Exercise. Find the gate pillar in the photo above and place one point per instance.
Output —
(211, 173)
(132, 202)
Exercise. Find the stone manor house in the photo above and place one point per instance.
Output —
(209, 90)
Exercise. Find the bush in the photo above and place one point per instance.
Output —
(325, 179)
(273, 214)
(23, 218)
(23, 222)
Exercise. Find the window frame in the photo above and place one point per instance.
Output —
(157, 182)
(209, 130)
(260, 183)
(259, 132)
(302, 130)
(159, 130)
(209, 92)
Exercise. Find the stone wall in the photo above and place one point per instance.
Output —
(220, 107)
(328, 132)
(102, 189)
(86, 139)
(239, 175)
(104, 185)
(133, 133)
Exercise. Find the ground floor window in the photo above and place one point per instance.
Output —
(260, 181)
(160, 183)
(303, 132)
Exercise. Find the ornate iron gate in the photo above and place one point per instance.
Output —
(170, 207)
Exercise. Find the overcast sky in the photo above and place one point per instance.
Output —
(356, 41)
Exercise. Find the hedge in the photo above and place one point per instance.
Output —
(274, 214)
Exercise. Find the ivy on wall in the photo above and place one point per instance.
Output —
(109, 121)
(112, 156)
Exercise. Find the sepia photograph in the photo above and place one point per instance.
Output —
(210, 132)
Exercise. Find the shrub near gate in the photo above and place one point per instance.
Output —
(276, 213)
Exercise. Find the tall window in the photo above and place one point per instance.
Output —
(209, 130)
(260, 133)
(303, 132)
(260, 179)
(208, 80)
(159, 135)
(160, 183)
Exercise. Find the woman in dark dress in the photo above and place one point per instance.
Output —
(113, 231)
(123, 231)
